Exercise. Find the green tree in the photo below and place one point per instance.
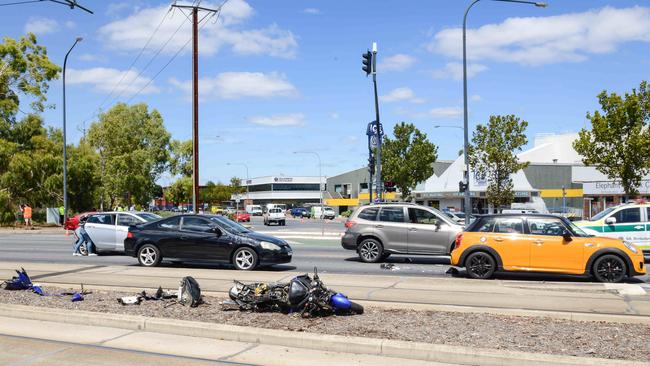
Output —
(181, 158)
(25, 69)
(133, 148)
(180, 191)
(492, 155)
(617, 143)
(408, 158)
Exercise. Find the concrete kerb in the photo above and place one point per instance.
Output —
(573, 316)
(331, 343)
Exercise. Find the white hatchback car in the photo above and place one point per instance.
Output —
(108, 230)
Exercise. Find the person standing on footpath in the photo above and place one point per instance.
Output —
(61, 214)
(27, 215)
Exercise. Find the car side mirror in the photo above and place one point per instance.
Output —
(610, 220)
(567, 235)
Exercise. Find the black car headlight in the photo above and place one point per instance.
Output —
(270, 246)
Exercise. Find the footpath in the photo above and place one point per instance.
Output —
(592, 302)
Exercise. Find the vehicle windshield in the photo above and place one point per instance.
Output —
(148, 217)
(460, 214)
(229, 225)
(602, 214)
(575, 229)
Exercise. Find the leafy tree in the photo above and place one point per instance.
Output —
(25, 69)
(133, 147)
(408, 158)
(181, 159)
(618, 141)
(492, 155)
(180, 191)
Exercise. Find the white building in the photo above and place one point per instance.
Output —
(295, 190)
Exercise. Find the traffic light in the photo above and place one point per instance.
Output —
(462, 187)
(367, 62)
(371, 164)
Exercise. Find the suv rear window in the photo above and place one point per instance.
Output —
(369, 214)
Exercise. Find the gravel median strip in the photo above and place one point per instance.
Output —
(514, 333)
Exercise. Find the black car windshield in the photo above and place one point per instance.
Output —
(148, 217)
(229, 225)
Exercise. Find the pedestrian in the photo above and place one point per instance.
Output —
(61, 214)
(27, 215)
(82, 237)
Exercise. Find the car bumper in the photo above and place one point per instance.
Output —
(638, 265)
(349, 241)
(276, 256)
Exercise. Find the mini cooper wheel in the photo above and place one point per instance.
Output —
(245, 259)
(370, 251)
(610, 268)
(480, 265)
(149, 255)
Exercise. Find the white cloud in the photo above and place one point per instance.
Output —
(104, 80)
(401, 94)
(445, 112)
(89, 57)
(70, 24)
(476, 98)
(454, 70)
(132, 32)
(399, 62)
(311, 11)
(334, 115)
(544, 40)
(41, 26)
(291, 119)
(234, 85)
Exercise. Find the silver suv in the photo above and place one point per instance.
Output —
(378, 230)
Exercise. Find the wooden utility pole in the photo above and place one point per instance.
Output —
(195, 98)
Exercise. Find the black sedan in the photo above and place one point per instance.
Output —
(204, 238)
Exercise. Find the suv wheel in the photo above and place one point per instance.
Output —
(609, 268)
(370, 251)
(480, 265)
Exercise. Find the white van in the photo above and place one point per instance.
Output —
(254, 210)
(325, 213)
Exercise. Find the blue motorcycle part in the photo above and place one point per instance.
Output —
(340, 302)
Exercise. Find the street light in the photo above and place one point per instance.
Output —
(320, 187)
(65, 150)
(468, 203)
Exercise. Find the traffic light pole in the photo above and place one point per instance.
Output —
(379, 129)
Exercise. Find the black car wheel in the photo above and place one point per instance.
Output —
(609, 268)
(480, 265)
(370, 251)
(245, 259)
(149, 255)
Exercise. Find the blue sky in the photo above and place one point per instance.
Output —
(280, 76)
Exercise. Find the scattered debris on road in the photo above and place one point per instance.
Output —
(389, 266)
(189, 293)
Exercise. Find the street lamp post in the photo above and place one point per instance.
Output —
(468, 203)
(65, 150)
(320, 187)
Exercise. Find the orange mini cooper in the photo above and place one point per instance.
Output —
(542, 243)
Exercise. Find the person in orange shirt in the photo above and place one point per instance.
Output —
(27, 215)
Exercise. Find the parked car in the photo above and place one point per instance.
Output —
(275, 215)
(204, 237)
(254, 210)
(300, 212)
(457, 216)
(241, 216)
(108, 230)
(230, 210)
(378, 230)
(323, 212)
(625, 222)
(72, 223)
(542, 243)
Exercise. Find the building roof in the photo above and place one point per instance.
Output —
(552, 148)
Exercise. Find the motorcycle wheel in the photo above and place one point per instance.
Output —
(356, 308)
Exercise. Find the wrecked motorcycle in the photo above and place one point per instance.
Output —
(302, 294)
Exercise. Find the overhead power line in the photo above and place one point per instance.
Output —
(71, 3)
